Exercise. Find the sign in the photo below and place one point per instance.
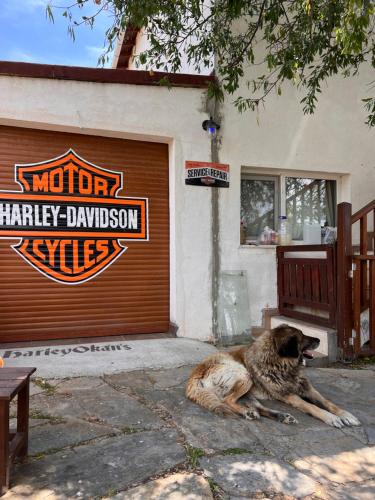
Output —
(202, 173)
(69, 219)
(65, 351)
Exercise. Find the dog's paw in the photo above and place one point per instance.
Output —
(333, 420)
(349, 419)
(286, 418)
(224, 411)
(251, 415)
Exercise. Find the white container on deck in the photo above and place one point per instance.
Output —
(312, 234)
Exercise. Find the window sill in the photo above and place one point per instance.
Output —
(257, 247)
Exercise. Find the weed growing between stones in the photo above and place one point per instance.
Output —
(44, 385)
(111, 492)
(194, 454)
(131, 430)
(42, 454)
(38, 415)
(216, 491)
(235, 451)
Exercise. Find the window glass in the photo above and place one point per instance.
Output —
(258, 204)
(309, 200)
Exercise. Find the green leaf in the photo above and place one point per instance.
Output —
(49, 13)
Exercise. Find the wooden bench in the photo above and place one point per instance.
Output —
(13, 443)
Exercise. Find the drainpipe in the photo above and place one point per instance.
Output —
(215, 229)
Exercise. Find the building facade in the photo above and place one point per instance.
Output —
(124, 124)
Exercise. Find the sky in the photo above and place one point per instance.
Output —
(27, 35)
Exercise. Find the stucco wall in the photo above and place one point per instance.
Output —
(333, 140)
(144, 113)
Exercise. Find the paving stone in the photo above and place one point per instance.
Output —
(359, 433)
(35, 389)
(106, 465)
(321, 440)
(165, 379)
(363, 411)
(202, 428)
(325, 442)
(137, 381)
(26, 491)
(119, 410)
(50, 437)
(181, 486)
(72, 385)
(339, 466)
(343, 386)
(370, 431)
(142, 381)
(248, 475)
(363, 491)
(56, 405)
(102, 405)
(95, 470)
(33, 422)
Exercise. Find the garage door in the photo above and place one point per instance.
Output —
(84, 227)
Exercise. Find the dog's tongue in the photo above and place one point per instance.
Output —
(308, 354)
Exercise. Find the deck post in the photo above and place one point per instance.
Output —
(344, 279)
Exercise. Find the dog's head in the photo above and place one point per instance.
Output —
(292, 343)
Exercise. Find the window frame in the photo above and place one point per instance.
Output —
(258, 173)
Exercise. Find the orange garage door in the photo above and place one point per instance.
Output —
(84, 227)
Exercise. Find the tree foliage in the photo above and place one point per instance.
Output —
(274, 41)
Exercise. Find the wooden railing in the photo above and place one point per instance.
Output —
(307, 283)
(355, 281)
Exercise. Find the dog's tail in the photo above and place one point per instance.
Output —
(204, 397)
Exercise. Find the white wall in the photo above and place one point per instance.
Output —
(144, 113)
(333, 140)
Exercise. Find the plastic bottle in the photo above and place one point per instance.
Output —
(285, 237)
(242, 233)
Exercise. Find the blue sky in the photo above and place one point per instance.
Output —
(27, 35)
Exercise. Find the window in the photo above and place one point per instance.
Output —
(259, 203)
(302, 199)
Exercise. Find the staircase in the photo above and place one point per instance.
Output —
(355, 280)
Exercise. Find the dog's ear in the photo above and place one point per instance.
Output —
(289, 347)
(286, 342)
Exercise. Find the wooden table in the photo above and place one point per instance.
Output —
(13, 443)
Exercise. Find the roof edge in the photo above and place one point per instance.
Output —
(126, 47)
(102, 75)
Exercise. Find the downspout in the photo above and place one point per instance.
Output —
(215, 227)
(214, 107)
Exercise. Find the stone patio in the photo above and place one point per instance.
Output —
(134, 435)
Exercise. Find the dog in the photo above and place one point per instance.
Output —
(270, 368)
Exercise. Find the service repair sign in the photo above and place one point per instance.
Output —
(202, 173)
(69, 219)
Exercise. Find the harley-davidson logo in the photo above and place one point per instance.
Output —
(69, 218)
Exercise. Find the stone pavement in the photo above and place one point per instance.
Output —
(134, 436)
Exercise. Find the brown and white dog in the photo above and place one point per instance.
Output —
(270, 368)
